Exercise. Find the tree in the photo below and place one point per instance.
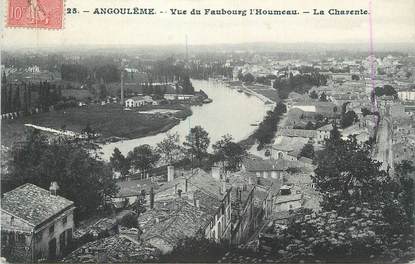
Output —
(143, 158)
(364, 213)
(366, 111)
(187, 85)
(197, 142)
(309, 126)
(130, 221)
(307, 151)
(248, 78)
(348, 119)
(170, 149)
(82, 177)
(229, 153)
(314, 95)
(119, 163)
(323, 97)
(346, 172)
(195, 250)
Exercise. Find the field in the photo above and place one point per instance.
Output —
(109, 120)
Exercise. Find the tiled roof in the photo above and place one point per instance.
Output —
(114, 249)
(297, 133)
(33, 204)
(184, 220)
(134, 187)
(328, 127)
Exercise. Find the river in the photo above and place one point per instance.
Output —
(231, 112)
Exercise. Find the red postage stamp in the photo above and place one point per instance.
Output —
(46, 14)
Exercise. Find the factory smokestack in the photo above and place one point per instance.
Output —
(122, 87)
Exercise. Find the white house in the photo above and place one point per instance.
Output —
(138, 101)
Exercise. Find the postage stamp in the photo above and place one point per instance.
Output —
(47, 14)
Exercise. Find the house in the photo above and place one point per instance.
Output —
(313, 108)
(114, 249)
(289, 148)
(323, 133)
(407, 95)
(170, 221)
(35, 223)
(138, 101)
(130, 191)
(272, 169)
(286, 200)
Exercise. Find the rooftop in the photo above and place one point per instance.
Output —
(33, 204)
(113, 249)
(174, 223)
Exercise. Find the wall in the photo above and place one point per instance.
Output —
(42, 236)
(16, 238)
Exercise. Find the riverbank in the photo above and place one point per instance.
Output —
(265, 93)
(111, 121)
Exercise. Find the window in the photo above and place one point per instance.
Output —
(52, 229)
(64, 220)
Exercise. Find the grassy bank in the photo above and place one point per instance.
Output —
(108, 120)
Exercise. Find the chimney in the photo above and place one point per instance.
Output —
(191, 197)
(179, 192)
(122, 87)
(197, 203)
(223, 187)
(186, 185)
(170, 173)
(53, 189)
(249, 180)
(151, 198)
(216, 172)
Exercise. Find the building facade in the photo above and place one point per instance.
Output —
(36, 224)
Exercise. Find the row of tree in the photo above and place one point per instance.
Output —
(143, 158)
(267, 128)
(16, 97)
(300, 83)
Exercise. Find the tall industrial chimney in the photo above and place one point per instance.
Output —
(122, 87)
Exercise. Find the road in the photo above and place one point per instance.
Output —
(383, 148)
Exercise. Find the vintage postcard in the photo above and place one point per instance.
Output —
(207, 131)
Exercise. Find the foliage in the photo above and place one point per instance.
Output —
(129, 220)
(197, 142)
(301, 83)
(247, 78)
(313, 95)
(323, 97)
(362, 234)
(74, 72)
(348, 119)
(387, 90)
(120, 163)
(229, 153)
(366, 111)
(346, 172)
(307, 151)
(108, 73)
(143, 158)
(195, 250)
(82, 177)
(366, 214)
(267, 128)
(186, 85)
(170, 149)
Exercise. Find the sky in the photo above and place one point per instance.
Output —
(392, 21)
